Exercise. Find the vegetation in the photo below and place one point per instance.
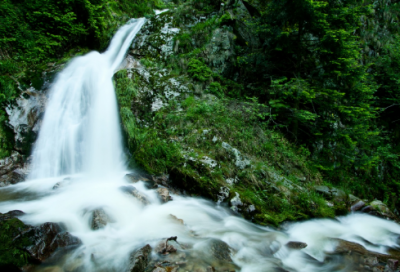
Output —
(320, 75)
(307, 90)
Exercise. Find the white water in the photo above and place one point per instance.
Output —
(80, 138)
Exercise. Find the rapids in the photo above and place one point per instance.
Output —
(80, 142)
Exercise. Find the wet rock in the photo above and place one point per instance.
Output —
(134, 192)
(161, 180)
(135, 177)
(296, 245)
(357, 206)
(40, 242)
(165, 248)
(220, 250)
(346, 247)
(176, 219)
(163, 194)
(62, 183)
(139, 259)
(13, 169)
(99, 219)
(47, 239)
(25, 118)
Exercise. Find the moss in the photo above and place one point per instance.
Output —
(12, 243)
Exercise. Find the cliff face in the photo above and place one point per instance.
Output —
(179, 122)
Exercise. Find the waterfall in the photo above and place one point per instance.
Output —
(80, 147)
(80, 130)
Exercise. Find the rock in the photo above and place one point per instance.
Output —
(296, 245)
(135, 177)
(39, 242)
(332, 193)
(220, 250)
(25, 118)
(236, 202)
(371, 260)
(99, 219)
(47, 239)
(139, 259)
(357, 206)
(393, 264)
(163, 194)
(353, 199)
(161, 180)
(62, 183)
(164, 248)
(176, 219)
(13, 170)
(134, 192)
(346, 247)
(383, 210)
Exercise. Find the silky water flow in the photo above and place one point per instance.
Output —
(80, 143)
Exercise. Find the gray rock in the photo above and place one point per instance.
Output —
(139, 259)
(163, 194)
(220, 250)
(296, 245)
(25, 118)
(135, 177)
(236, 202)
(332, 193)
(13, 169)
(99, 219)
(135, 193)
(357, 206)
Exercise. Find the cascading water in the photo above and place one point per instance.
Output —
(80, 139)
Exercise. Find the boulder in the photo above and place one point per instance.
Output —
(334, 194)
(139, 259)
(220, 250)
(99, 219)
(131, 190)
(161, 180)
(382, 210)
(296, 245)
(357, 206)
(344, 247)
(163, 194)
(37, 243)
